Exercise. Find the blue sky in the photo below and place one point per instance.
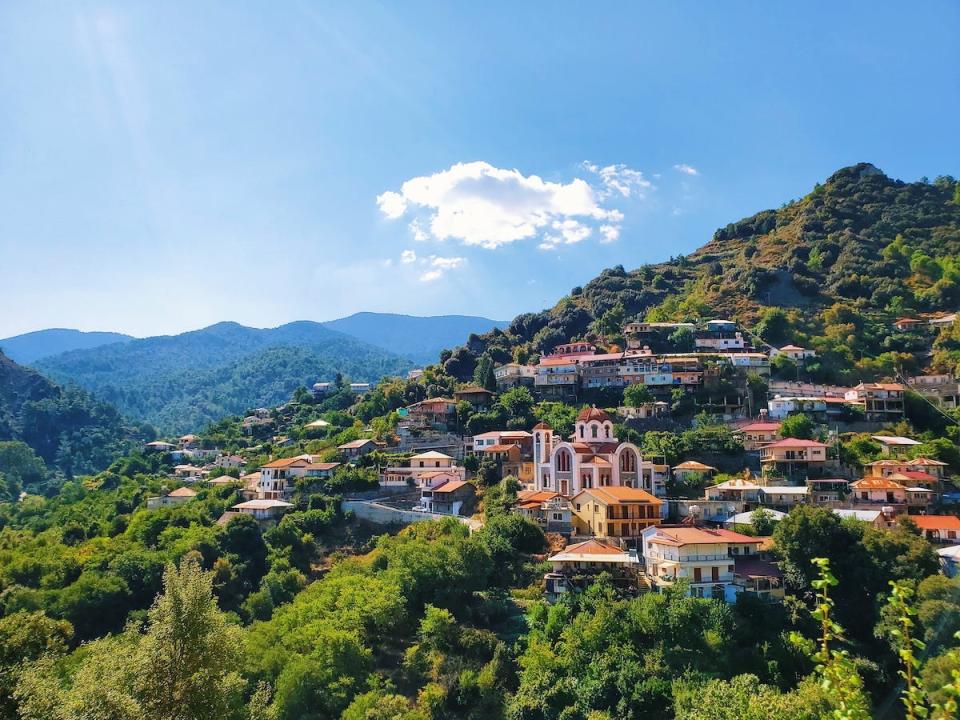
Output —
(164, 166)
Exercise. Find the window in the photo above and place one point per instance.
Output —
(593, 430)
(714, 573)
(557, 516)
(697, 577)
(578, 507)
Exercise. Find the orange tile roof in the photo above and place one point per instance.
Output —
(926, 461)
(876, 483)
(284, 462)
(701, 536)
(593, 547)
(936, 522)
(450, 486)
(614, 494)
(693, 465)
(499, 448)
(760, 427)
(537, 496)
(182, 492)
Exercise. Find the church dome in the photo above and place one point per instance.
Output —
(593, 414)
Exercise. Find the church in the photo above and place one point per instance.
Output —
(591, 458)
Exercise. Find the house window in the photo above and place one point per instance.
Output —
(697, 577)
(578, 507)
(557, 516)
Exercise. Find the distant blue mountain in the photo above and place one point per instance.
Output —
(419, 338)
(182, 382)
(33, 346)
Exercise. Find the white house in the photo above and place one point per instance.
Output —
(263, 509)
(705, 557)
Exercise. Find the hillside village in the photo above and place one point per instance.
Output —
(722, 482)
(614, 499)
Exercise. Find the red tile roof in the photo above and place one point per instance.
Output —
(795, 442)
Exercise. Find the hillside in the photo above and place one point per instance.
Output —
(419, 338)
(861, 248)
(183, 382)
(67, 428)
(33, 346)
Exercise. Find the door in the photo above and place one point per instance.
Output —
(715, 574)
(696, 575)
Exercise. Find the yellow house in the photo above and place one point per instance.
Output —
(615, 511)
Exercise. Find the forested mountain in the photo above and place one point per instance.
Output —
(68, 429)
(183, 382)
(861, 248)
(32, 346)
(419, 338)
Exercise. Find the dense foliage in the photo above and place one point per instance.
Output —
(68, 430)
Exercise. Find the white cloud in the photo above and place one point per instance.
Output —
(419, 234)
(480, 204)
(437, 266)
(392, 204)
(686, 169)
(408, 256)
(609, 233)
(620, 180)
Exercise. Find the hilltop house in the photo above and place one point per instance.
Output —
(426, 464)
(357, 448)
(704, 557)
(791, 455)
(576, 565)
(262, 509)
(176, 497)
(433, 411)
(513, 375)
(758, 435)
(881, 402)
(480, 398)
(938, 528)
(615, 511)
(794, 352)
(449, 497)
(551, 511)
(894, 444)
(878, 490)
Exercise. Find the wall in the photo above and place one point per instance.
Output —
(384, 515)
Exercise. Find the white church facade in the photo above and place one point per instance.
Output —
(592, 458)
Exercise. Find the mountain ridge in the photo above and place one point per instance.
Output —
(390, 331)
(861, 244)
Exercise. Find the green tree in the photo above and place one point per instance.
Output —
(184, 667)
(636, 395)
(798, 426)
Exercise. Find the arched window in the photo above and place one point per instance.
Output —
(628, 461)
(593, 429)
(563, 461)
(581, 430)
(607, 429)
